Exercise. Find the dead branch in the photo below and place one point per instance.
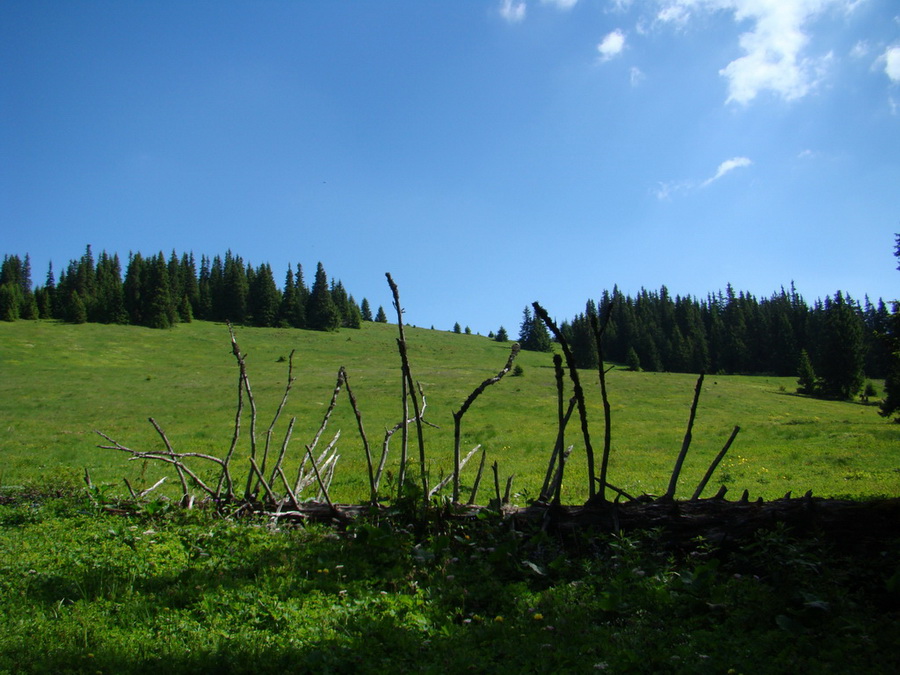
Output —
(576, 385)
(673, 481)
(423, 470)
(404, 392)
(262, 481)
(607, 414)
(496, 470)
(443, 483)
(324, 490)
(331, 406)
(715, 463)
(458, 415)
(477, 478)
(162, 434)
(390, 432)
(362, 432)
(271, 429)
(283, 451)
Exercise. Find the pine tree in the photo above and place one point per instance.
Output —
(9, 302)
(134, 290)
(76, 312)
(321, 313)
(380, 316)
(263, 298)
(234, 289)
(842, 357)
(457, 328)
(806, 375)
(354, 319)
(158, 310)
(502, 335)
(365, 310)
(632, 361)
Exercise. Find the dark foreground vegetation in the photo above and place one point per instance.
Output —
(91, 588)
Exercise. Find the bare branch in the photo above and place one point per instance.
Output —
(458, 415)
(362, 433)
(576, 385)
(673, 481)
(715, 463)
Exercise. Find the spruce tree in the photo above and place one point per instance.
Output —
(841, 356)
(365, 310)
(158, 310)
(263, 298)
(457, 328)
(134, 289)
(9, 302)
(502, 335)
(321, 313)
(76, 312)
(806, 375)
(354, 314)
(380, 316)
(632, 361)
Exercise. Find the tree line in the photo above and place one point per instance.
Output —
(832, 345)
(158, 293)
(737, 333)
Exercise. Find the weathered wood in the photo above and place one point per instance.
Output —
(686, 443)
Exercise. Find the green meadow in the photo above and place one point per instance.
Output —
(59, 383)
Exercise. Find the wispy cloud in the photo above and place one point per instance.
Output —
(726, 167)
(775, 57)
(669, 189)
(561, 4)
(611, 45)
(636, 75)
(512, 11)
(666, 190)
(860, 50)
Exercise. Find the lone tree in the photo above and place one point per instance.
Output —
(380, 316)
(502, 335)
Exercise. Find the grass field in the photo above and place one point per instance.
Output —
(61, 382)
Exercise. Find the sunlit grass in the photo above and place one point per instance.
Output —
(61, 382)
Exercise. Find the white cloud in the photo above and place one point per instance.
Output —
(727, 166)
(774, 48)
(512, 11)
(611, 45)
(892, 63)
(561, 4)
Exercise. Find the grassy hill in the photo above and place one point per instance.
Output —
(60, 382)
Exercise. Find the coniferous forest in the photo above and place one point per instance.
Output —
(832, 344)
(160, 292)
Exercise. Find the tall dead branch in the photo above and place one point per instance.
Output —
(686, 443)
(579, 393)
(458, 415)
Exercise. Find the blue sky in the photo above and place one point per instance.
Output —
(486, 154)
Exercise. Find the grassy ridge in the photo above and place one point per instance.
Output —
(60, 382)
